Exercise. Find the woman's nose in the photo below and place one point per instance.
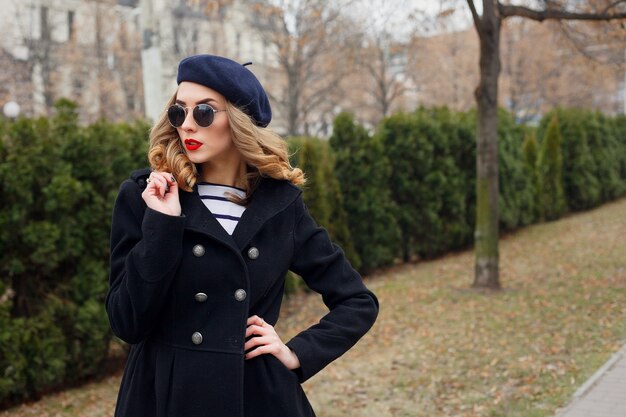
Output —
(189, 124)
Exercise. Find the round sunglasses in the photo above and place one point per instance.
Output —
(203, 114)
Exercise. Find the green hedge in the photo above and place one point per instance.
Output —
(427, 183)
(594, 156)
(58, 181)
(428, 160)
(364, 173)
(322, 196)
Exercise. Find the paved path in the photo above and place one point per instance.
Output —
(604, 394)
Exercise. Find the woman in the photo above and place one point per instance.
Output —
(200, 246)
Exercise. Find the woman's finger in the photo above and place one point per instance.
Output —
(256, 341)
(258, 330)
(167, 181)
(158, 186)
(261, 350)
(165, 176)
(173, 184)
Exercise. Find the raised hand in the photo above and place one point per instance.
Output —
(161, 193)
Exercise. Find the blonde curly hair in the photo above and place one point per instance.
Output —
(264, 151)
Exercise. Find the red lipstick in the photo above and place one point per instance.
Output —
(192, 144)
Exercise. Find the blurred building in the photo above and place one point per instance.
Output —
(541, 69)
(83, 50)
(116, 58)
(172, 30)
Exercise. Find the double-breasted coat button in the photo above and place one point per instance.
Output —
(253, 253)
(196, 338)
(240, 294)
(198, 250)
(200, 297)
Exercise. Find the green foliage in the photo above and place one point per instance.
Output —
(426, 183)
(293, 283)
(619, 132)
(607, 159)
(463, 150)
(517, 193)
(580, 184)
(432, 178)
(13, 363)
(43, 344)
(322, 195)
(531, 156)
(364, 172)
(58, 182)
(593, 150)
(550, 165)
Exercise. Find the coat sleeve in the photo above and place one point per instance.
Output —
(146, 248)
(353, 308)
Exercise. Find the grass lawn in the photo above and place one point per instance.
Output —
(442, 349)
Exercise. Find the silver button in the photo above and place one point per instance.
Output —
(196, 338)
(200, 297)
(253, 253)
(240, 294)
(198, 250)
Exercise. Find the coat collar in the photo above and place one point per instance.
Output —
(271, 197)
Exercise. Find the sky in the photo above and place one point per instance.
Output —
(407, 16)
(402, 18)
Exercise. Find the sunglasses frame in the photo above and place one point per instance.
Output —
(193, 111)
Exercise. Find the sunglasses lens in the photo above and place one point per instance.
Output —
(176, 115)
(203, 114)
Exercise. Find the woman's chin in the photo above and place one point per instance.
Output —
(197, 159)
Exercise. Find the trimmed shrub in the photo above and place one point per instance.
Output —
(464, 153)
(426, 183)
(322, 196)
(531, 156)
(580, 185)
(550, 165)
(604, 151)
(619, 132)
(59, 181)
(363, 172)
(517, 194)
(13, 363)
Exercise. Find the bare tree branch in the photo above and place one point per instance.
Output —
(612, 5)
(603, 59)
(475, 16)
(558, 14)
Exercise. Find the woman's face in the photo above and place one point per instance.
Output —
(204, 144)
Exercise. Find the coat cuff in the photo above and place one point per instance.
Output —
(307, 368)
(161, 245)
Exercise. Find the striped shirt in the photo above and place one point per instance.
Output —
(214, 198)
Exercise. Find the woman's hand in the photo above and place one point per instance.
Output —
(267, 341)
(161, 193)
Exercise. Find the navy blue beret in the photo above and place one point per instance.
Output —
(232, 80)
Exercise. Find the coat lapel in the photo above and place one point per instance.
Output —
(270, 198)
(200, 219)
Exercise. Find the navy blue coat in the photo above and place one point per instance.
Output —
(159, 265)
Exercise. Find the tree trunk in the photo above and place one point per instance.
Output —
(100, 61)
(293, 101)
(486, 233)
